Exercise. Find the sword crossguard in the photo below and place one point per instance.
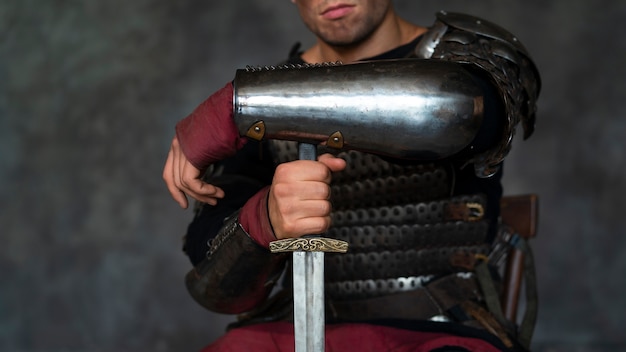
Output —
(309, 244)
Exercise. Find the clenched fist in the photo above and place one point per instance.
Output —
(299, 198)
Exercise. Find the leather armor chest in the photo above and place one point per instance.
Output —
(402, 223)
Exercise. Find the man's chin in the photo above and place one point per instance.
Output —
(346, 40)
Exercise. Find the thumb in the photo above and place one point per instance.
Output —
(332, 162)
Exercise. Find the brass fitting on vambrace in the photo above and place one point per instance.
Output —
(237, 273)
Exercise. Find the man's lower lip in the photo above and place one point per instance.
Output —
(337, 13)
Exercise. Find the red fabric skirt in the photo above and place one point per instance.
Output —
(278, 336)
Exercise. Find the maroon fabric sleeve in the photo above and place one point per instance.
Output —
(209, 133)
(254, 218)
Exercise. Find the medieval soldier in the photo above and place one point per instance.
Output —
(411, 125)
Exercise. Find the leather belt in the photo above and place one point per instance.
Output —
(425, 302)
(460, 208)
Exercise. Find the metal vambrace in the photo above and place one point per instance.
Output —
(406, 108)
(237, 273)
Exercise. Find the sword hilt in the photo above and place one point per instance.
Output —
(309, 244)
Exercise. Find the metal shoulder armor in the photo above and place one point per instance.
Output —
(467, 39)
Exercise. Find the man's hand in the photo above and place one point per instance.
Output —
(183, 179)
(299, 198)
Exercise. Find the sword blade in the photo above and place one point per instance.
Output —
(308, 301)
(308, 286)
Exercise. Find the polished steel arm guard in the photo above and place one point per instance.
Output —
(237, 273)
(408, 108)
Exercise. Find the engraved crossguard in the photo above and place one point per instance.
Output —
(309, 244)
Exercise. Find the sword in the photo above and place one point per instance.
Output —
(308, 278)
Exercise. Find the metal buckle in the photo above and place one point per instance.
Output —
(475, 211)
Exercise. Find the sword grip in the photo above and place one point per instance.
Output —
(307, 151)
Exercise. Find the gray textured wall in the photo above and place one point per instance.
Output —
(90, 255)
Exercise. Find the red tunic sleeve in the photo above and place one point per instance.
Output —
(209, 133)
(254, 219)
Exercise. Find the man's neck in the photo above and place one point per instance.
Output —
(391, 34)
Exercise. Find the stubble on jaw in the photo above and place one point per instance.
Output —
(345, 35)
(348, 32)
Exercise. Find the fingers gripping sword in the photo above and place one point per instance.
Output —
(431, 110)
(308, 278)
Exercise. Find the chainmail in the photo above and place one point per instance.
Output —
(397, 222)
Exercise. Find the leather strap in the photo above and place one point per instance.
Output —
(423, 303)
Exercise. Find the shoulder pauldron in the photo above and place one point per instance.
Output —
(472, 40)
